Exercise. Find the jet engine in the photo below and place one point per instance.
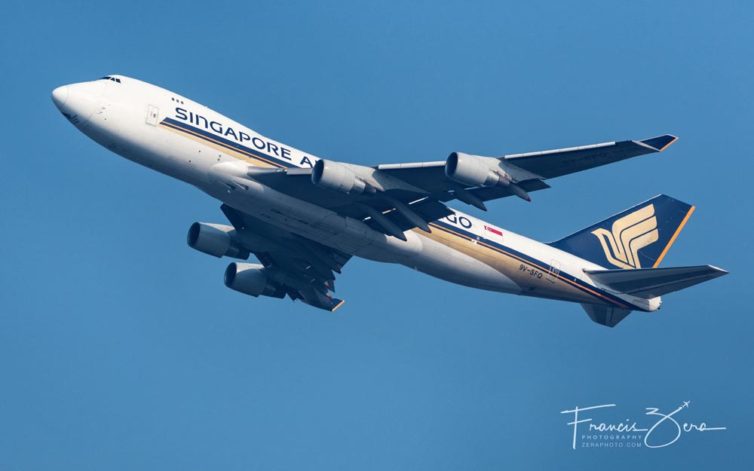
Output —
(338, 177)
(473, 170)
(217, 240)
(251, 279)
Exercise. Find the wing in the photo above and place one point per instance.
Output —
(555, 163)
(392, 211)
(534, 167)
(301, 268)
(393, 198)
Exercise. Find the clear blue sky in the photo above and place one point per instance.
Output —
(120, 348)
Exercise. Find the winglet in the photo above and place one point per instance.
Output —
(660, 143)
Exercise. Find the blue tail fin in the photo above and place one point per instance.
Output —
(638, 237)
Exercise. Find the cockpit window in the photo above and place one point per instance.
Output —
(113, 79)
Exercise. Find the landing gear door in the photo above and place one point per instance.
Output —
(153, 114)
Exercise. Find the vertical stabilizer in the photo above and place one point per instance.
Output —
(638, 237)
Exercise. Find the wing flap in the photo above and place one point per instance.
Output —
(495, 192)
(428, 209)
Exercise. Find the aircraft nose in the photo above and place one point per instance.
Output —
(78, 101)
(59, 96)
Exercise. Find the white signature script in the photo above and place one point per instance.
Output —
(662, 420)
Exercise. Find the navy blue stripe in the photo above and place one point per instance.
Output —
(228, 143)
(529, 259)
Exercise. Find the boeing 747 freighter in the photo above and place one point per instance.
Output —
(303, 217)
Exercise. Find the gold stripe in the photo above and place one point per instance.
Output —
(247, 155)
(675, 236)
(544, 270)
(450, 232)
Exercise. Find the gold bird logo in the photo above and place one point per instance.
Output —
(630, 234)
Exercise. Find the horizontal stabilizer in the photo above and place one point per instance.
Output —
(652, 282)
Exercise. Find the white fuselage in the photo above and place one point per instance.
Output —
(186, 140)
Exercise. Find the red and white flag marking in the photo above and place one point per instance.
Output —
(494, 230)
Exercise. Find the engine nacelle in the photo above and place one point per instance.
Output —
(473, 170)
(217, 240)
(251, 279)
(337, 177)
